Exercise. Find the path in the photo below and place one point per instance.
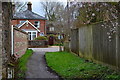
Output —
(36, 66)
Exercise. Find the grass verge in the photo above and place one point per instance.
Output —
(69, 65)
(22, 63)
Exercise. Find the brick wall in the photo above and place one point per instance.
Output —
(37, 43)
(20, 42)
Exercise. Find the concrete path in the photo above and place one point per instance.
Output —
(36, 66)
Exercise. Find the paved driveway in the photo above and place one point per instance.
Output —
(49, 49)
(36, 66)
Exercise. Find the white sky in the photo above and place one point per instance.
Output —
(37, 8)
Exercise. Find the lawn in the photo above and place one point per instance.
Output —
(22, 63)
(69, 65)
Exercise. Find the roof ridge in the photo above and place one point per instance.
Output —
(36, 13)
(27, 14)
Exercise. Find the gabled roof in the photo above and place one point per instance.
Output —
(27, 22)
(27, 15)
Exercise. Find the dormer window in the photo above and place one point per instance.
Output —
(37, 24)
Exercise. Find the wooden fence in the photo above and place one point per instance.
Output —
(98, 42)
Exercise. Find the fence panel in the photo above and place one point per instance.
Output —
(85, 42)
(104, 43)
(74, 43)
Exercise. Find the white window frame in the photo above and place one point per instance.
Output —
(32, 33)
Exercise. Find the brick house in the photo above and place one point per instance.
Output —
(30, 22)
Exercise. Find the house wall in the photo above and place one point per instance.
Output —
(20, 42)
(42, 24)
(27, 27)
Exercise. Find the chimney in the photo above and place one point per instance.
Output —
(29, 6)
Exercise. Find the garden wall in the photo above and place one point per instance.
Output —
(20, 41)
(98, 42)
(37, 43)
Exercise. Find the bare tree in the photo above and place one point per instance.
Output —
(20, 6)
(52, 9)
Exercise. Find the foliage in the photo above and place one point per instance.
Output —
(69, 65)
(95, 12)
(52, 35)
(57, 44)
(41, 38)
(22, 63)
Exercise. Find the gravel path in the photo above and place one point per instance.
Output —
(36, 66)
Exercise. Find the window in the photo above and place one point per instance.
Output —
(22, 22)
(29, 35)
(37, 24)
(51, 29)
(41, 34)
(32, 35)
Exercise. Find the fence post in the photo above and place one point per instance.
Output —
(12, 40)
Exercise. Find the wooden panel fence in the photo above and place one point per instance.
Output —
(98, 42)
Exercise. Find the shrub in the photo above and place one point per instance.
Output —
(41, 38)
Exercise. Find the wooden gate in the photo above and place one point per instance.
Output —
(51, 40)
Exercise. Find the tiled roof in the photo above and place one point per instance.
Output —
(27, 15)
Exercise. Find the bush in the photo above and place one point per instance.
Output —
(41, 38)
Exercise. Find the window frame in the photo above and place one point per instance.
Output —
(38, 24)
(31, 36)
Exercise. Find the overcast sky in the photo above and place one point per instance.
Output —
(37, 8)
